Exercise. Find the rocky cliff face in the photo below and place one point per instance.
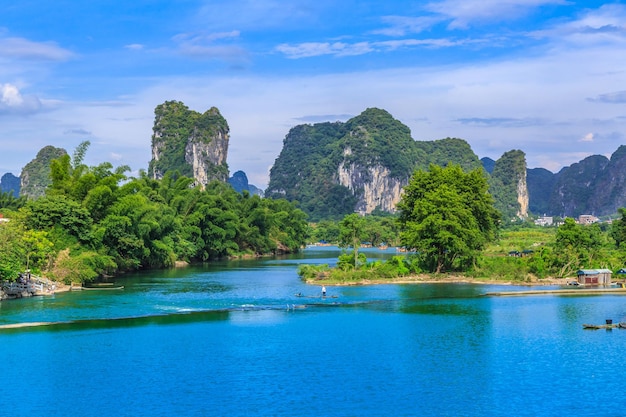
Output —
(574, 189)
(522, 196)
(508, 185)
(194, 144)
(595, 185)
(609, 189)
(540, 183)
(373, 186)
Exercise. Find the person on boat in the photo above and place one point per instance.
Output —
(323, 291)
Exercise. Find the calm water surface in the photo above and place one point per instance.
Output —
(232, 339)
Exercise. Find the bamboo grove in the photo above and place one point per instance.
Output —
(97, 220)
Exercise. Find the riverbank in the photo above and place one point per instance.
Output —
(34, 287)
(444, 279)
(571, 291)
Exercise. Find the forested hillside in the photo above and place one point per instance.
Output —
(35, 177)
(333, 169)
(507, 184)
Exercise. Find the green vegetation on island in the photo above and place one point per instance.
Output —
(449, 224)
(446, 218)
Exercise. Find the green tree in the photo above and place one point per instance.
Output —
(350, 231)
(65, 220)
(576, 246)
(10, 202)
(11, 253)
(326, 231)
(618, 229)
(447, 216)
(37, 248)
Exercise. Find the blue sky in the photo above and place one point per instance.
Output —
(544, 76)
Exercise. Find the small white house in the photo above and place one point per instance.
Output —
(544, 221)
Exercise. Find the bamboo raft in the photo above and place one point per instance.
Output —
(573, 291)
(607, 326)
(121, 287)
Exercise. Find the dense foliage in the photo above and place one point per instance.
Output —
(522, 253)
(445, 151)
(95, 220)
(448, 217)
(375, 231)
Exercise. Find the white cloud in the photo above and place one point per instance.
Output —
(12, 101)
(208, 46)
(618, 97)
(600, 26)
(589, 137)
(403, 25)
(312, 49)
(20, 48)
(464, 13)
(11, 96)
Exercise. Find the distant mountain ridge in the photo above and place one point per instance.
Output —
(239, 181)
(361, 165)
(336, 168)
(596, 185)
(9, 183)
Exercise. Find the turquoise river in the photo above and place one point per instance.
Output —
(232, 339)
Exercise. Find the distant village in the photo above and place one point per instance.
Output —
(582, 219)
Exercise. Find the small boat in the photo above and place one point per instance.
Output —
(101, 288)
(607, 326)
(315, 296)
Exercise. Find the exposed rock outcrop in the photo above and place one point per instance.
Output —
(194, 144)
(373, 186)
(522, 195)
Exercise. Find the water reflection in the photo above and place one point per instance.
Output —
(125, 322)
